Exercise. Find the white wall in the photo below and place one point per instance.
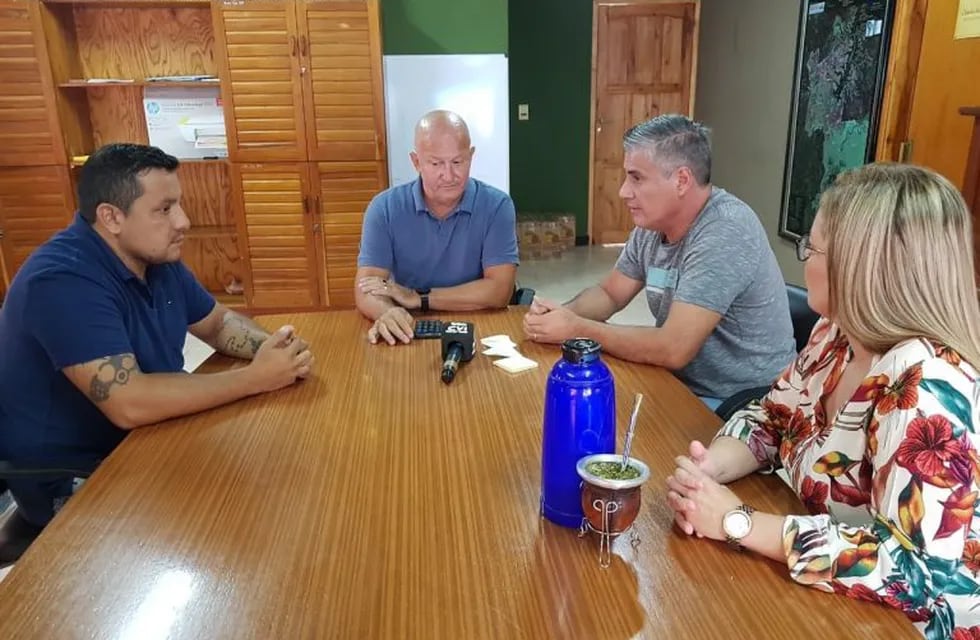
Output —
(473, 85)
(746, 60)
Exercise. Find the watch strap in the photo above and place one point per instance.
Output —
(736, 543)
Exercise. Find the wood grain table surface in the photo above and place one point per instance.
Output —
(373, 501)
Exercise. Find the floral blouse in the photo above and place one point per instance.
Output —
(891, 481)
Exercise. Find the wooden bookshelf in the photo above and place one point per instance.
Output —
(88, 84)
(278, 222)
(137, 4)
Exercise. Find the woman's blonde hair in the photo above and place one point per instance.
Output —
(900, 259)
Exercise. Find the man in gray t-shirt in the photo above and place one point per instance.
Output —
(702, 257)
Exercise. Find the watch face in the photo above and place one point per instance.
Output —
(737, 524)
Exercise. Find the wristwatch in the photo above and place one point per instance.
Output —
(423, 299)
(737, 524)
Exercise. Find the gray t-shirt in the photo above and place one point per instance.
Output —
(723, 263)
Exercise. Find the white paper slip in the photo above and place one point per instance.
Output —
(494, 341)
(195, 352)
(502, 351)
(515, 364)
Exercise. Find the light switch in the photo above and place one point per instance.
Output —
(522, 112)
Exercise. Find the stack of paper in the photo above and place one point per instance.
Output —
(503, 347)
(186, 122)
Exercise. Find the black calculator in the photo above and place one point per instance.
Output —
(428, 329)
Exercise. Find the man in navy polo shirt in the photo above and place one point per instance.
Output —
(445, 241)
(93, 329)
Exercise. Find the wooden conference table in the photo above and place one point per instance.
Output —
(373, 501)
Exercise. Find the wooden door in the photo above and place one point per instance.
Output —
(35, 203)
(278, 224)
(340, 46)
(643, 64)
(342, 191)
(29, 130)
(258, 51)
(946, 80)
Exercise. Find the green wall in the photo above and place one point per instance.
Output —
(549, 45)
(550, 70)
(444, 26)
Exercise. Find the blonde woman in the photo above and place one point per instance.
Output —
(875, 423)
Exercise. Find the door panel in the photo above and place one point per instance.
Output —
(35, 203)
(341, 49)
(29, 131)
(946, 80)
(343, 191)
(279, 228)
(258, 57)
(644, 65)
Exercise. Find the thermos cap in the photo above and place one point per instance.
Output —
(580, 350)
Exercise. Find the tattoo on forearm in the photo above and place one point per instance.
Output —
(113, 371)
(242, 339)
(244, 343)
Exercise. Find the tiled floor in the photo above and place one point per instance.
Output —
(561, 278)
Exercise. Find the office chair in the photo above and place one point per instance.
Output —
(803, 318)
(522, 296)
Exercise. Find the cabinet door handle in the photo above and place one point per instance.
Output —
(306, 205)
(316, 227)
(302, 44)
(293, 45)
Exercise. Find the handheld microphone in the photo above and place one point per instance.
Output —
(458, 342)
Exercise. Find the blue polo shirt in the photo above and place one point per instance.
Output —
(420, 251)
(75, 301)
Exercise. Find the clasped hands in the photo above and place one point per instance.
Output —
(698, 500)
(281, 359)
(549, 322)
(395, 324)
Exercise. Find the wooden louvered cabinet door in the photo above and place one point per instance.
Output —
(342, 191)
(257, 48)
(278, 223)
(340, 48)
(35, 203)
(29, 129)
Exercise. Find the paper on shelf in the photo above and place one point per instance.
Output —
(186, 122)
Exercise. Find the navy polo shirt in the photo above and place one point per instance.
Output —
(421, 251)
(74, 301)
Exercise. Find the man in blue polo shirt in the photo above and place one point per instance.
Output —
(93, 328)
(444, 242)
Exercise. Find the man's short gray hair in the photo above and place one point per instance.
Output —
(673, 141)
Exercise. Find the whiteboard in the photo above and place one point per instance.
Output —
(472, 85)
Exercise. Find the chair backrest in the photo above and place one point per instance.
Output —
(802, 315)
(522, 296)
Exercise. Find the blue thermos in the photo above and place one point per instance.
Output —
(579, 420)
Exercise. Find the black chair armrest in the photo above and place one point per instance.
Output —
(523, 296)
(47, 470)
(738, 401)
